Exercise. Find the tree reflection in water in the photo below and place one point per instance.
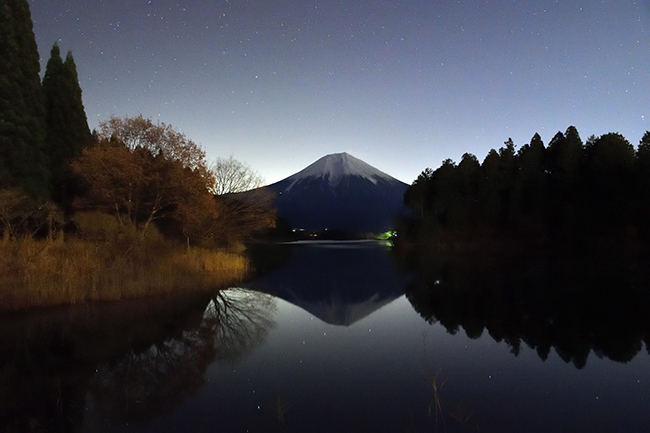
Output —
(89, 367)
(241, 318)
(147, 383)
(572, 304)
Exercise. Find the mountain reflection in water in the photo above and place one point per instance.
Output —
(324, 340)
(340, 282)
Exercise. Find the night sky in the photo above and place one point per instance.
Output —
(401, 85)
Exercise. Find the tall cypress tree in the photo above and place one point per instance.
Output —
(66, 122)
(23, 162)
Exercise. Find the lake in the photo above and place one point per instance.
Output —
(347, 337)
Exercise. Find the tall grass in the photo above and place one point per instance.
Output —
(108, 261)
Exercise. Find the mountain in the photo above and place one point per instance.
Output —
(340, 192)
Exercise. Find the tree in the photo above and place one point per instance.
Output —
(158, 139)
(565, 152)
(610, 154)
(489, 196)
(530, 182)
(22, 215)
(609, 181)
(468, 177)
(564, 163)
(417, 197)
(241, 216)
(643, 152)
(66, 122)
(244, 207)
(23, 163)
(642, 189)
(145, 172)
(232, 176)
(446, 193)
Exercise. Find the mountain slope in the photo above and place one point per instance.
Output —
(340, 192)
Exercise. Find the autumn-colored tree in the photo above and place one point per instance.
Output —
(145, 172)
(158, 138)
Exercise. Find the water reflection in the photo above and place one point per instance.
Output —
(240, 359)
(49, 357)
(574, 305)
(338, 282)
(105, 365)
(144, 384)
(240, 319)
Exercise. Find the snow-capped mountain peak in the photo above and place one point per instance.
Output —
(339, 192)
(335, 166)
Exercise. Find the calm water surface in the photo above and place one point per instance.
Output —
(336, 338)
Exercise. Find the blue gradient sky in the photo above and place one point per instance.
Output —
(401, 85)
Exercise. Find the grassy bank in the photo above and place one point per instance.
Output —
(108, 262)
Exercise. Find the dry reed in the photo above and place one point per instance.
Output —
(52, 272)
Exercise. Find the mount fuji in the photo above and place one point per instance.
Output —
(340, 192)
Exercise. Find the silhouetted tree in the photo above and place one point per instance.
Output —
(418, 197)
(468, 177)
(23, 162)
(446, 194)
(642, 189)
(565, 155)
(569, 191)
(66, 123)
(489, 194)
(609, 181)
(530, 185)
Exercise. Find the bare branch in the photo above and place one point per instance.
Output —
(231, 176)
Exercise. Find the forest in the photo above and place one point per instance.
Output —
(130, 209)
(565, 192)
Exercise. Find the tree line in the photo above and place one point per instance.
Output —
(565, 190)
(143, 173)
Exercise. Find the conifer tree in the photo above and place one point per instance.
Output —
(530, 180)
(23, 162)
(66, 122)
(642, 186)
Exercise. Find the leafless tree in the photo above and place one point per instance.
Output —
(232, 176)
